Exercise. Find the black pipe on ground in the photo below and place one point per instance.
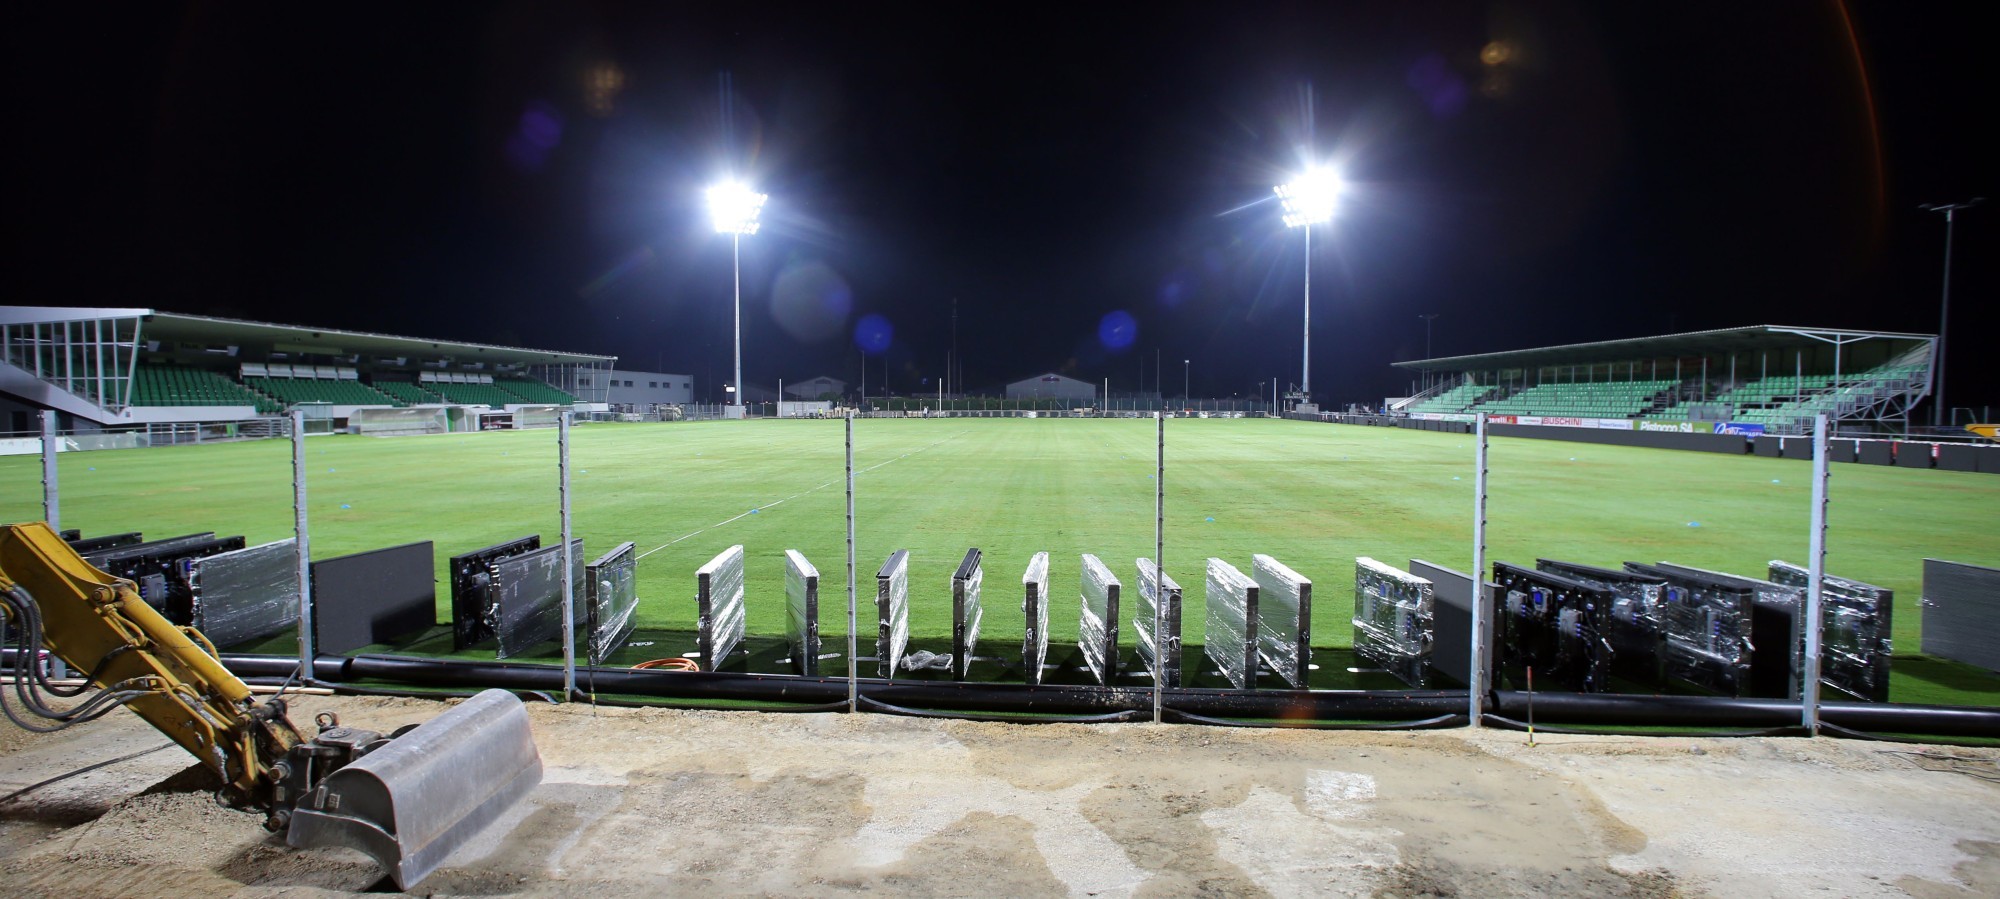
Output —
(1602, 709)
(928, 695)
(1724, 711)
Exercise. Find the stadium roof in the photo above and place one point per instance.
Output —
(268, 337)
(1692, 343)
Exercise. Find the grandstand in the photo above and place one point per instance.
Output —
(1761, 379)
(120, 367)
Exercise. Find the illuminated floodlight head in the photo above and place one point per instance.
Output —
(734, 208)
(1309, 199)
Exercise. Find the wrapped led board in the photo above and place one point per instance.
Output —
(1638, 643)
(471, 589)
(1161, 600)
(1777, 633)
(1553, 624)
(159, 569)
(802, 613)
(1854, 631)
(892, 606)
(1394, 614)
(1035, 608)
(245, 594)
(87, 545)
(1231, 641)
(719, 607)
(1284, 619)
(966, 613)
(527, 597)
(1706, 624)
(613, 601)
(1097, 624)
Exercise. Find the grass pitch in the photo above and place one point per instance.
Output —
(1315, 496)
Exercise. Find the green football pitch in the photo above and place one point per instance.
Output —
(1315, 496)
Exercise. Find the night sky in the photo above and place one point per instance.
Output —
(532, 174)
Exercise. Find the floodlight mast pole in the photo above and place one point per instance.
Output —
(1306, 360)
(736, 266)
(1944, 313)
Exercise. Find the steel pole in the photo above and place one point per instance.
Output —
(1306, 366)
(1160, 647)
(51, 494)
(1482, 611)
(853, 685)
(736, 266)
(302, 545)
(1944, 320)
(568, 560)
(1815, 582)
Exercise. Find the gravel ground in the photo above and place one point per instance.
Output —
(657, 801)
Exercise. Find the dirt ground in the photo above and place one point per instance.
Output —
(670, 802)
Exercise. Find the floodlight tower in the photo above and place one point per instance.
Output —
(1938, 410)
(1309, 200)
(734, 208)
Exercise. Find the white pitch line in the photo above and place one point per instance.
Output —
(792, 497)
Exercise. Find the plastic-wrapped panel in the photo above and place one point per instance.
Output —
(246, 594)
(966, 612)
(802, 613)
(892, 606)
(1854, 631)
(1097, 624)
(1451, 644)
(1638, 642)
(1231, 641)
(527, 594)
(372, 598)
(719, 607)
(1707, 624)
(160, 570)
(613, 603)
(1394, 620)
(1284, 618)
(1169, 612)
(1553, 625)
(1035, 607)
(471, 589)
(1961, 606)
(1777, 632)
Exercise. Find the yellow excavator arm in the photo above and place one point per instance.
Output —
(98, 624)
(407, 799)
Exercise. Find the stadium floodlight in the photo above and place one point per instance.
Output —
(734, 208)
(1309, 200)
(1938, 410)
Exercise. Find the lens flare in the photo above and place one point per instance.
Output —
(873, 334)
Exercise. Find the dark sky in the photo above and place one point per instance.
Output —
(529, 173)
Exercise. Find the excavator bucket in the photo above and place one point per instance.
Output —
(412, 802)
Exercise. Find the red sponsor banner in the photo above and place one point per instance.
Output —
(1500, 419)
(1564, 422)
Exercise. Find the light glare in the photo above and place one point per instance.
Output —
(734, 208)
(1310, 198)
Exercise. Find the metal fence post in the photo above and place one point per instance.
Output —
(303, 546)
(568, 560)
(853, 686)
(1482, 612)
(51, 499)
(1160, 647)
(1815, 581)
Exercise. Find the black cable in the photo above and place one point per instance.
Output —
(1451, 720)
(10, 797)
